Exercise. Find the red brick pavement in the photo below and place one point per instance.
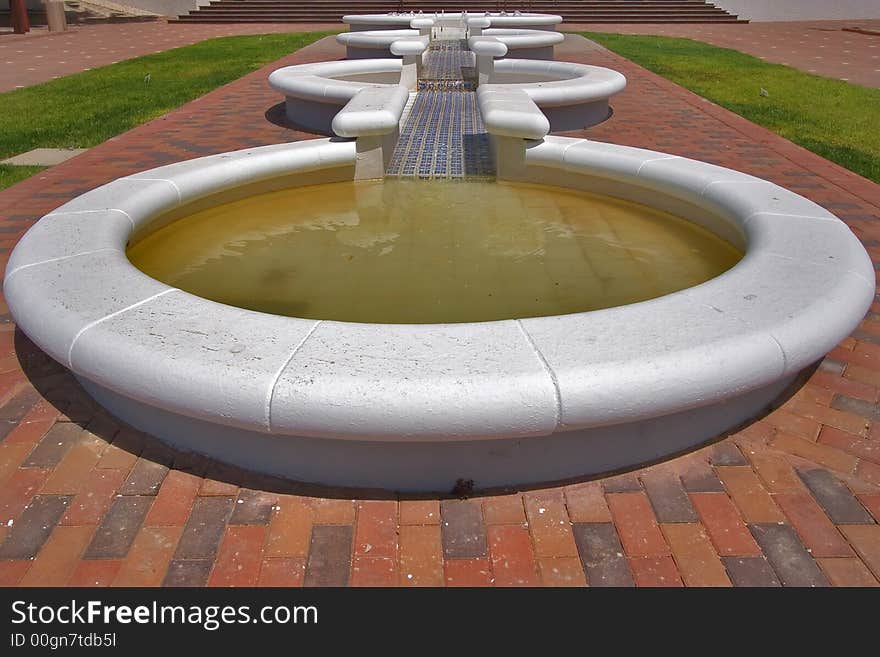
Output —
(820, 47)
(792, 499)
(39, 56)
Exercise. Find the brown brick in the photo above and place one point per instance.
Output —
(602, 554)
(58, 558)
(205, 528)
(145, 478)
(282, 571)
(11, 571)
(750, 571)
(785, 552)
(820, 454)
(655, 572)
(32, 529)
(221, 480)
(373, 571)
(73, 471)
(117, 531)
(794, 425)
(846, 420)
(123, 452)
(421, 550)
(149, 556)
(11, 457)
(549, 524)
(728, 532)
(871, 501)
(504, 510)
(776, 473)
(694, 555)
(847, 442)
(419, 512)
(253, 507)
(726, 453)
(749, 495)
(376, 529)
(240, 556)
(586, 502)
(333, 512)
(847, 572)
(624, 483)
(668, 498)
(28, 433)
(861, 407)
(637, 525)
(468, 572)
(329, 562)
(462, 529)
(17, 491)
(512, 556)
(94, 573)
(175, 499)
(834, 497)
(866, 541)
(702, 481)
(54, 445)
(562, 571)
(16, 407)
(868, 472)
(817, 532)
(290, 529)
(187, 573)
(92, 502)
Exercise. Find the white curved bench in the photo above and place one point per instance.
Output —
(526, 44)
(377, 43)
(571, 96)
(314, 93)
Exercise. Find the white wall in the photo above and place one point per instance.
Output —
(801, 10)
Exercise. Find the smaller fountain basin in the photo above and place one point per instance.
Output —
(357, 22)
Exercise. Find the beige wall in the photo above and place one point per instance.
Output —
(801, 10)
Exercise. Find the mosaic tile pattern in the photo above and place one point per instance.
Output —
(448, 65)
(443, 134)
(443, 137)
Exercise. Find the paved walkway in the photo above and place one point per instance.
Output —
(38, 56)
(794, 498)
(820, 47)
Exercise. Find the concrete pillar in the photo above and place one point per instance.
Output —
(55, 15)
(373, 154)
(409, 72)
(485, 68)
(510, 157)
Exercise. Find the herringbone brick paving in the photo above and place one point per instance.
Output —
(793, 499)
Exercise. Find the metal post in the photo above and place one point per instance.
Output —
(19, 17)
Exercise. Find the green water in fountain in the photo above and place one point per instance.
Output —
(412, 252)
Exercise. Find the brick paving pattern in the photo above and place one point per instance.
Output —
(820, 47)
(793, 499)
(39, 56)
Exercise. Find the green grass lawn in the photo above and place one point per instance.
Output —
(835, 119)
(87, 108)
(9, 174)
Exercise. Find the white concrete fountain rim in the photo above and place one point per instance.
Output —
(496, 18)
(803, 285)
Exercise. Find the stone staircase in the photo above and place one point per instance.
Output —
(572, 11)
(86, 11)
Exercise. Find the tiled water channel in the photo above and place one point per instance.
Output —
(443, 135)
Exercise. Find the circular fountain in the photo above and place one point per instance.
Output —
(547, 389)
